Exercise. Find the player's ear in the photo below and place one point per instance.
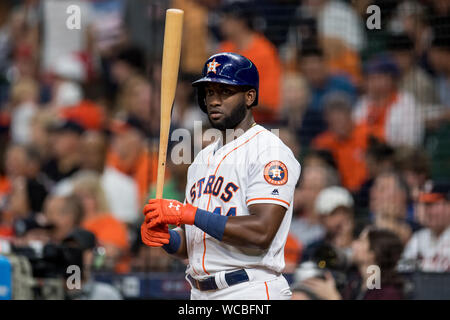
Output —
(250, 96)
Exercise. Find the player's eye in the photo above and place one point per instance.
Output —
(209, 92)
(227, 92)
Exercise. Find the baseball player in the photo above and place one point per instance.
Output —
(235, 219)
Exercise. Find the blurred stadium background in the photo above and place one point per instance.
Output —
(366, 111)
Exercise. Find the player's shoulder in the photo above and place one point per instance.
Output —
(269, 147)
(268, 141)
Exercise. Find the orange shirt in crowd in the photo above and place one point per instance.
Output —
(5, 186)
(109, 230)
(348, 63)
(292, 250)
(5, 119)
(264, 55)
(377, 116)
(349, 155)
(90, 115)
(6, 230)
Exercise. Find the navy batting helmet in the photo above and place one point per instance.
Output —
(228, 68)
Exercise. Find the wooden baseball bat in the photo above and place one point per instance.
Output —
(169, 76)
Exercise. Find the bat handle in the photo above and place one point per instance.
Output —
(162, 162)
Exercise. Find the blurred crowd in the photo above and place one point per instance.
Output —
(365, 110)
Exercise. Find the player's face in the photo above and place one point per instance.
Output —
(225, 104)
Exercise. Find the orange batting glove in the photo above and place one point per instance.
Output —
(156, 236)
(164, 211)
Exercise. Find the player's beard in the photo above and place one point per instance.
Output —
(230, 122)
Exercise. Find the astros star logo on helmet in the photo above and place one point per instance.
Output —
(213, 65)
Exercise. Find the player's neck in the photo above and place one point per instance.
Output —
(230, 135)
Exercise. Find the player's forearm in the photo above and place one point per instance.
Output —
(248, 231)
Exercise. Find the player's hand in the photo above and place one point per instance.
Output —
(164, 211)
(156, 236)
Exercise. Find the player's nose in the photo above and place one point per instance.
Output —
(214, 100)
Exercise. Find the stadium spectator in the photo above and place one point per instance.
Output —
(373, 247)
(110, 232)
(240, 37)
(26, 198)
(413, 166)
(389, 113)
(295, 98)
(31, 230)
(64, 213)
(320, 84)
(41, 124)
(107, 26)
(125, 66)
(68, 73)
(127, 63)
(22, 161)
(305, 225)
(68, 99)
(440, 7)
(334, 205)
(130, 155)
(320, 158)
(344, 140)
(90, 288)
(438, 134)
(59, 41)
(24, 103)
(23, 187)
(413, 79)
(379, 158)
(185, 112)
(144, 23)
(15, 162)
(323, 21)
(137, 102)
(290, 140)
(341, 47)
(428, 248)
(120, 190)
(438, 56)
(339, 20)
(293, 251)
(66, 156)
(389, 205)
(410, 18)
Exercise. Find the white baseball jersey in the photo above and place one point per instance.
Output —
(256, 167)
(431, 252)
